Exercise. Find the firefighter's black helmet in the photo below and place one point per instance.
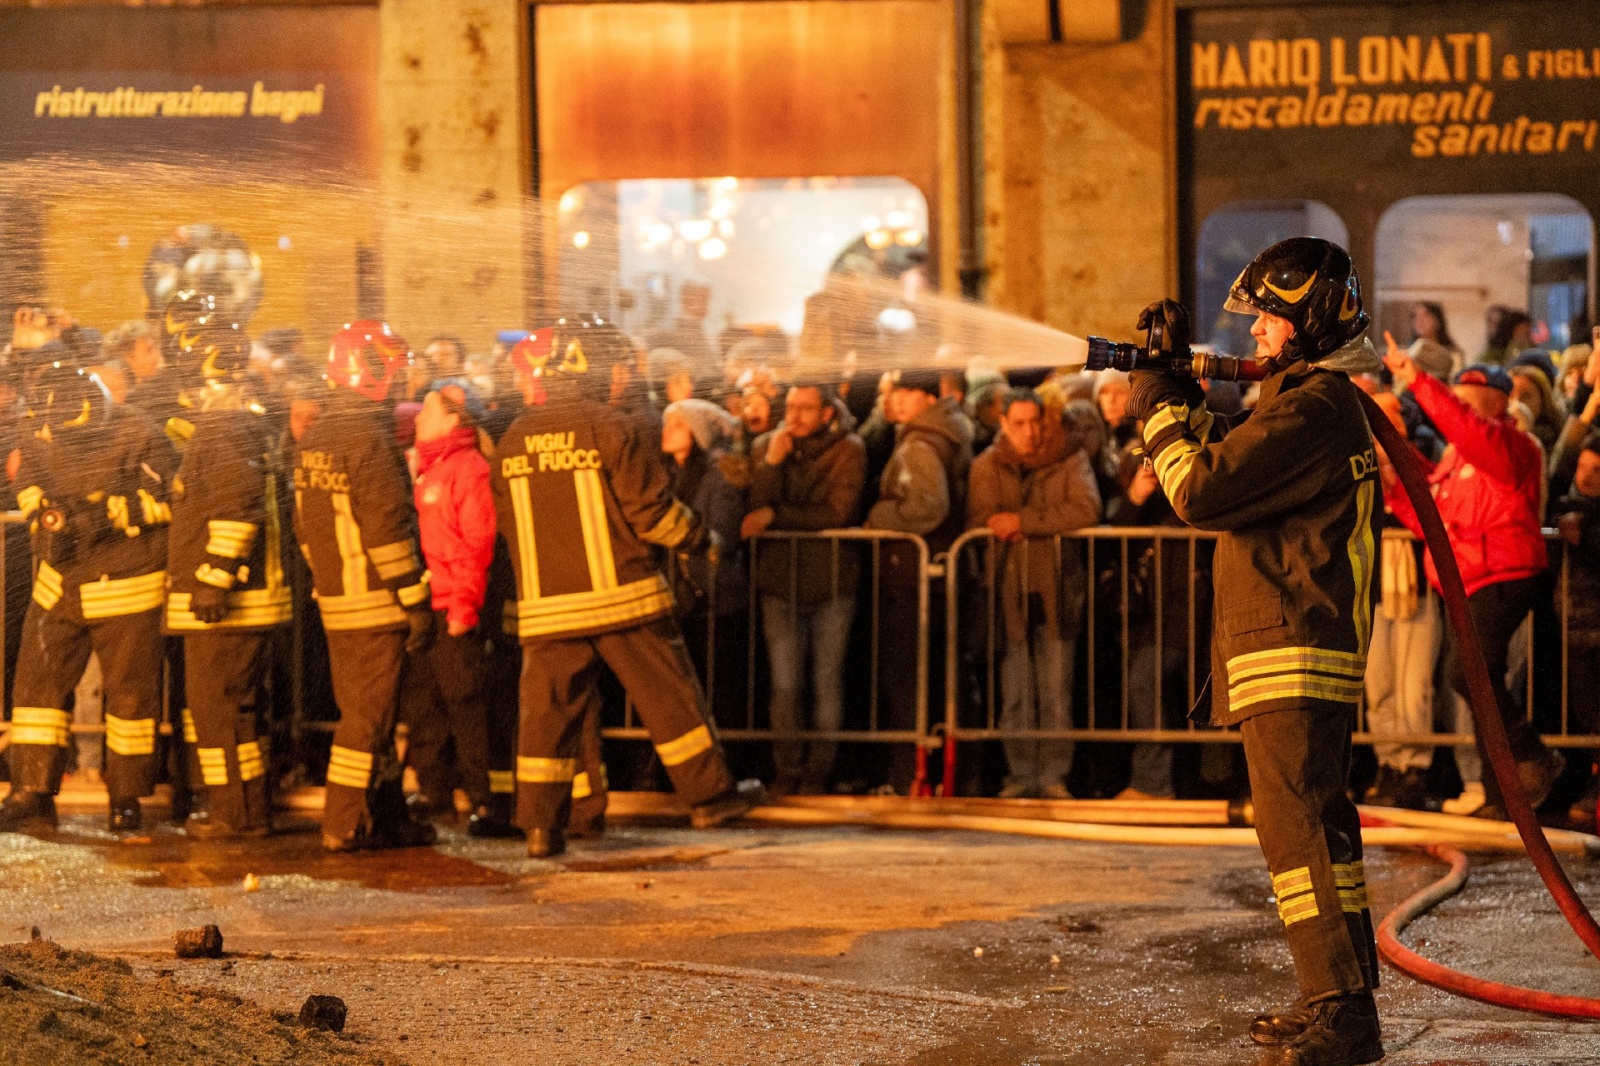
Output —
(64, 398)
(572, 345)
(188, 311)
(1310, 282)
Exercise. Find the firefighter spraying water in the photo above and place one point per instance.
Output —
(1293, 491)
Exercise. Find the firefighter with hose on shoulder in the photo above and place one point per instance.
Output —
(227, 589)
(585, 506)
(357, 527)
(1293, 491)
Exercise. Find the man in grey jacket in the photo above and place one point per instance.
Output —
(1027, 491)
(923, 492)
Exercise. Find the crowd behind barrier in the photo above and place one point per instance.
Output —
(962, 562)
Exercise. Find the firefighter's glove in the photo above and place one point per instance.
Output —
(1173, 318)
(419, 629)
(209, 604)
(1154, 388)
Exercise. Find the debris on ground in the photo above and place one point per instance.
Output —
(202, 943)
(323, 1012)
(61, 1006)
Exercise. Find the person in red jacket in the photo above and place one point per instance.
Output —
(444, 691)
(1488, 486)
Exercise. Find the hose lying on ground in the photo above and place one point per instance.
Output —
(1455, 982)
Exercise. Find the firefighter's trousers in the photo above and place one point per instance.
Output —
(223, 675)
(56, 645)
(558, 684)
(1310, 833)
(363, 774)
(443, 700)
(591, 787)
(501, 685)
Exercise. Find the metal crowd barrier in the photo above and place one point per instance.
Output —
(1123, 569)
(870, 546)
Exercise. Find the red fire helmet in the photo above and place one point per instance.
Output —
(366, 356)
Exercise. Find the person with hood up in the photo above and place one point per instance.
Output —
(924, 485)
(922, 492)
(444, 689)
(1027, 490)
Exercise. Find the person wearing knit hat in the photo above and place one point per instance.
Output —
(710, 424)
(1574, 361)
(1539, 359)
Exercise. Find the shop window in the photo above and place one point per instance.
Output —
(1472, 253)
(1233, 235)
(741, 255)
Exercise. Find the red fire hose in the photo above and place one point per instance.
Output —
(1492, 733)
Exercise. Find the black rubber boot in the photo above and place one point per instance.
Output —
(489, 823)
(1281, 1027)
(126, 817)
(27, 810)
(544, 843)
(1343, 1032)
(730, 806)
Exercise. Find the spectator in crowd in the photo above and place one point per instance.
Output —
(1489, 487)
(672, 369)
(1027, 489)
(1111, 397)
(694, 437)
(878, 432)
(1575, 362)
(687, 333)
(806, 476)
(755, 411)
(1576, 431)
(983, 407)
(443, 693)
(1407, 637)
(1531, 388)
(953, 398)
(447, 355)
(1511, 334)
(1136, 499)
(922, 491)
(1577, 518)
(1428, 325)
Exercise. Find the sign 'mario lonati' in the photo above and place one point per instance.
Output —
(1361, 105)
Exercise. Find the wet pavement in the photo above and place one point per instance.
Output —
(840, 945)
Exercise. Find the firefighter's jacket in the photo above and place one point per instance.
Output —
(95, 498)
(228, 525)
(583, 500)
(1293, 490)
(355, 520)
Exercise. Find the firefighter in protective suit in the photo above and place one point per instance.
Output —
(227, 589)
(585, 505)
(93, 484)
(1292, 489)
(357, 526)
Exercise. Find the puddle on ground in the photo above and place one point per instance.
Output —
(166, 858)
